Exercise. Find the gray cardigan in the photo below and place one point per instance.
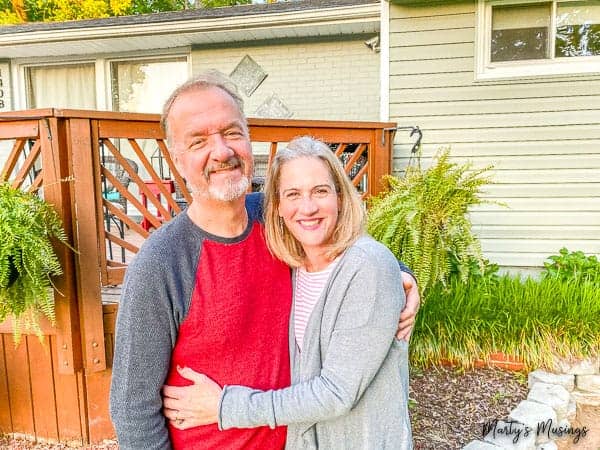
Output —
(349, 385)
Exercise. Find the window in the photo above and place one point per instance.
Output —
(577, 29)
(538, 38)
(61, 86)
(144, 85)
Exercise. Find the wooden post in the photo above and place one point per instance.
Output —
(380, 159)
(57, 191)
(87, 257)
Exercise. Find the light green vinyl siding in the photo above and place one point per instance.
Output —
(541, 134)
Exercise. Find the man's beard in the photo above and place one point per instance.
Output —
(225, 192)
(230, 191)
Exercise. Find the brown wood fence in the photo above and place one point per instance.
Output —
(110, 177)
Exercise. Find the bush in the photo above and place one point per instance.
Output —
(574, 266)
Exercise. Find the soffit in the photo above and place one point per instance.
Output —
(122, 38)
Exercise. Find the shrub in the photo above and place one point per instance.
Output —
(574, 266)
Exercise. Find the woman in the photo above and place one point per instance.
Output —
(348, 371)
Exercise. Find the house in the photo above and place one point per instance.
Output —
(502, 82)
(303, 59)
(511, 83)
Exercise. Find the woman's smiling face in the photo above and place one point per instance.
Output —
(308, 202)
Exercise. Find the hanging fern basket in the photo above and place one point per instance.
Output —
(27, 259)
(12, 271)
(423, 219)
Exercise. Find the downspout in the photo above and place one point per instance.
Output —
(384, 62)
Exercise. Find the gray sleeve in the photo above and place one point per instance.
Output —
(363, 333)
(404, 268)
(145, 334)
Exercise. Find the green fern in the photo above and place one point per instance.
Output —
(423, 220)
(27, 260)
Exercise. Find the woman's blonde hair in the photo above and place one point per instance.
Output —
(351, 217)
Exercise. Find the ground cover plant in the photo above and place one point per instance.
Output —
(531, 319)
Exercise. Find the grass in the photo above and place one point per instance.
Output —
(533, 320)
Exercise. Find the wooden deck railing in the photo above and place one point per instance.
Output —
(111, 178)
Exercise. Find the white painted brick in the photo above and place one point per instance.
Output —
(329, 80)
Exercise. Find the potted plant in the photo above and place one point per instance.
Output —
(28, 262)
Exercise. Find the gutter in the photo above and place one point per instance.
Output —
(346, 14)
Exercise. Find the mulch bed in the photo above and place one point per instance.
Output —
(448, 408)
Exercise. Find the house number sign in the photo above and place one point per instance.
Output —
(5, 103)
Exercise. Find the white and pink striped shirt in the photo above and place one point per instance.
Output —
(309, 287)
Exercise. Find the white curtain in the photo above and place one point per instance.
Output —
(68, 86)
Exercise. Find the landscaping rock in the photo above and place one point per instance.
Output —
(571, 410)
(511, 435)
(590, 383)
(566, 381)
(588, 366)
(532, 413)
(480, 445)
(551, 431)
(586, 398)
(552, 395)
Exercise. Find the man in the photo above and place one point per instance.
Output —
(204, 292)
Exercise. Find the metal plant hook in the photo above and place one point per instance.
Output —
(414, 151)
(417, 143)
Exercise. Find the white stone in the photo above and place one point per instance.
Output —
(590, 383)
(532, 413)
(552, 395)
(571, 410)
(547, 446)
(511, 435)
(566, 381)
(480, 445)
(566, 433)
(544, 431)
(589, 366)
(586, 398)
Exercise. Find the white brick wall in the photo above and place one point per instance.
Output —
(336, 80)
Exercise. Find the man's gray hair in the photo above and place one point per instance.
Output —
(205, 80)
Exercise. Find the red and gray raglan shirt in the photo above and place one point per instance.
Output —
(220, 306)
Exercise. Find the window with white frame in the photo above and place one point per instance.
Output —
(538, 38)
(61, 86)
(144, 85)
(132, 85)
